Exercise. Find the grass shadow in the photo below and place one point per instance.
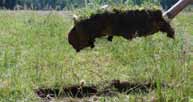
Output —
(113, 88)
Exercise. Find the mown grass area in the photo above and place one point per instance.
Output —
(34, 52)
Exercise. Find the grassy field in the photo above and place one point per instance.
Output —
(34, 52)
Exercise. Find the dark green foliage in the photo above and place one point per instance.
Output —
(61, 4)
(166, 4)
(9, 4)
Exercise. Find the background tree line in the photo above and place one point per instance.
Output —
(67, 4)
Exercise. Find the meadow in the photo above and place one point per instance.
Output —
(34, 52)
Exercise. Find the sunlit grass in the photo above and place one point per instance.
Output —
(34, 52)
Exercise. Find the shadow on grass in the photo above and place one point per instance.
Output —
(113, 88)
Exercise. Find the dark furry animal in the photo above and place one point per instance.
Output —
(128, 24)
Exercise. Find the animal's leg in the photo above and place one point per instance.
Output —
(110, 38)
(77, 50)
(92, 43)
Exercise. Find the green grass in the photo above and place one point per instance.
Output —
(34, 52)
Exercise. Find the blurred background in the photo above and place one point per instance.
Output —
(69, 4)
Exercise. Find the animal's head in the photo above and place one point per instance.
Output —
(78, 37)
(73, 39)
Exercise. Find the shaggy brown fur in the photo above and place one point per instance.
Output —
(128, 24)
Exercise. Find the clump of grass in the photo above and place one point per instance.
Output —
(94, 8)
